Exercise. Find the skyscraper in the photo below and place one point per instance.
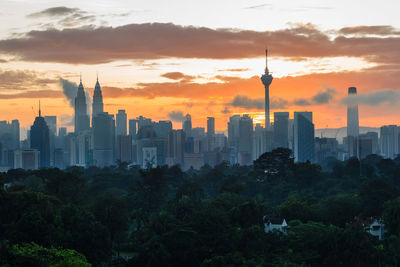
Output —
(82, 121)
(187, 125)
(210, 126)
(121, 122)
(266, 79)
(97, 100)
(51, 122)
(304, 146)
(103, 139)
(281, 129)
(352, 115)
(389, 141)
(15, 134)
(39, 136)
(245, 140)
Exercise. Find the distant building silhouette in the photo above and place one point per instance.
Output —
(121, 121)
(187, 125)
(103, 139)
(39, 136)
(97, 106)
(245, 140)
(352, 115)
(389, 141)
(281, 129)
(304, 147)
(82, 121)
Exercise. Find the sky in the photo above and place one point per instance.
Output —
(163, 59)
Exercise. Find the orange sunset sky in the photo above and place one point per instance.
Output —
(163, 59)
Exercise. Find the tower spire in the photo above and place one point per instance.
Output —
(40, 112)
(97, 75)
(80, 77)
(266, 61)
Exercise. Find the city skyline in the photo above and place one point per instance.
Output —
(200, 64)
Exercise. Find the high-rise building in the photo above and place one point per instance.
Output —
(281, 129)
(162, 128)
(325, 148)
(82, 121)
(304, 147)
(26, 159)
(233, 137)
(39, 136)
(103, 139)
(124, 148)
(259, 142)
(133, 128)
(51, 122)
(352, 115)
(245, 148)
(352, 124)
(266, 79)
(121, 122)
(210, 126)
(15, 134)
(97, 106)
(176, 147)
(389, 141)
(187, 125)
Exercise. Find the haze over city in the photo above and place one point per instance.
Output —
(164, 60)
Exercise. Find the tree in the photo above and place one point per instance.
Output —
(339, 209)
(275, 163)
(31, 254)
(113, 213)
(391, 216)
(374, 194)
(294, 208)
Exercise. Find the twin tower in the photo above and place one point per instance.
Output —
(82, 120)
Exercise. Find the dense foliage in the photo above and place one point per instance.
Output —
(211, 217)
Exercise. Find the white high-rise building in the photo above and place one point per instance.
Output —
(352, 115)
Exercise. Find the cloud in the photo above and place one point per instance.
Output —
(33, 94)
(54, 11)
(370, 30)
(323, 97)
(278, 103)
(386, 96)
(301, 102)
(258, 6)
(89, 45)
(22, 80)
(235, 70)
(64, 16)
(242, 101)
(177, 76)
(66, 120)
(176, 116)
(70, 90)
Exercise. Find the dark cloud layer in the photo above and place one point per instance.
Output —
(386, 96)
(176, 115)
(90, 45)
(323, 97)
